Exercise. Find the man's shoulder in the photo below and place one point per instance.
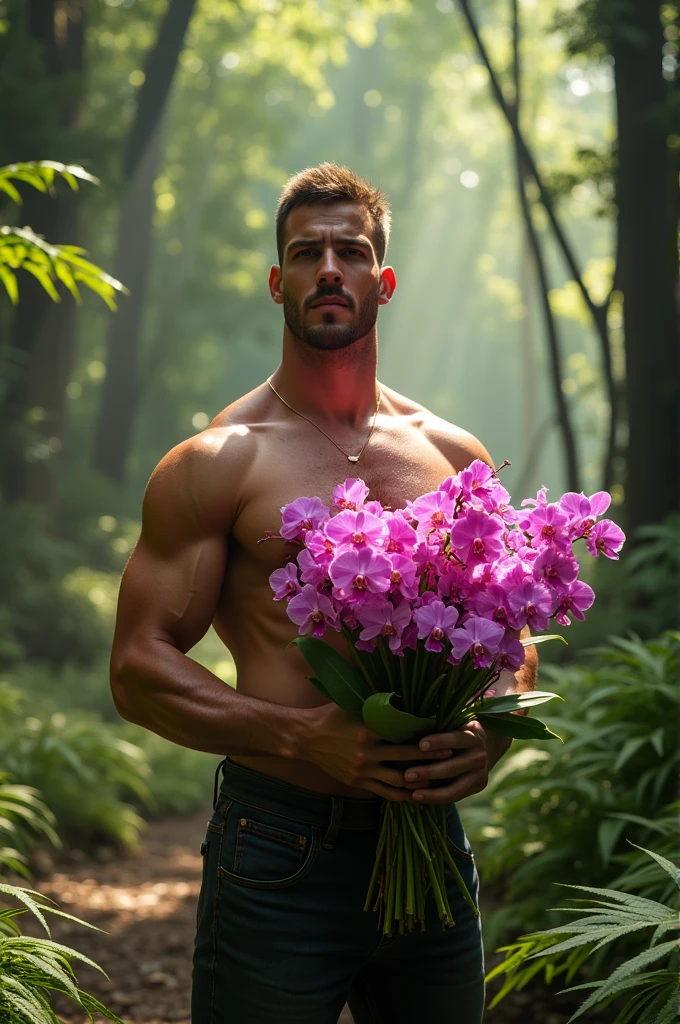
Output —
(459, 446)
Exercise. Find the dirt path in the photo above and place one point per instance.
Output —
(147, 905)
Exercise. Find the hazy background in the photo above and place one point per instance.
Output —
(536, 307)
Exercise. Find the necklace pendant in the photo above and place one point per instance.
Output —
(352, 458)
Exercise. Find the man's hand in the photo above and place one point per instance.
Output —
(346, 749)
(475, 752)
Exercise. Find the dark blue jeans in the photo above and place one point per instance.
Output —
(282, 937)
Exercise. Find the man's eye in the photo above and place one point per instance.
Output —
(353, 252)
(304, 252)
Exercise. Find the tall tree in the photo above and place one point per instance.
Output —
(133, 248)
(43, 340)
(598, 311)
(646, 196)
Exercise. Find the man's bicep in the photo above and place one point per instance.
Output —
(172, 582)
(171, 596)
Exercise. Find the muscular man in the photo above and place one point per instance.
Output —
(281, 930)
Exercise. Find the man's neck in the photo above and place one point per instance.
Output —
(338, 387)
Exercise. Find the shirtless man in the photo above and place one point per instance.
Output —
(281, 930)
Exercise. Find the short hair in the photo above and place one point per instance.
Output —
(330, 183)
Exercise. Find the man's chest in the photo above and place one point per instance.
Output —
(395, 469)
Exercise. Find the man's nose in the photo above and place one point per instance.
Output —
(329, 271)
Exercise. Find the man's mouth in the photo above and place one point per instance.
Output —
(330, 300)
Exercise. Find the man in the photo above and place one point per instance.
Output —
(281, 930)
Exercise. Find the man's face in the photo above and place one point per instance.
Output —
(330, 283)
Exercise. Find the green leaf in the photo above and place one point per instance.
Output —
(14, 195)
(10, 282)
(318, 685)
(531, 640)
(341, 682)
(513, 702)
(391, 723)
(662, 862)
(519, 727)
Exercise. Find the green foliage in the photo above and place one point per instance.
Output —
(22, 812)
(180, 779)
(602, 921)
(46, 608)
(21, 248)
(546, 811)
(31, 968)
(84, 769)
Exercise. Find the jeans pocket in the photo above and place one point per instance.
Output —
(262, 850)
(458, 842)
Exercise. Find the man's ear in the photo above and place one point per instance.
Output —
(388, 282)
(276, 284)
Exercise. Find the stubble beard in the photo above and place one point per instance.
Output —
(330, 336)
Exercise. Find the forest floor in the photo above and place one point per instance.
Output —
(146, 903)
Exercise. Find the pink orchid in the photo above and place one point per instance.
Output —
(435, 621)
(311, 571)
(302, 515)
(554, 568)
(403, 575)
(402, 538)
(453, 487)
(492, 603)
(582, 512)
(605, 538)
(547, 524)
(320, 547)
(312, 612)
(531, 605)
(284, 582)
(477, 537)
(356, 530)
(434, 511)
(385, 619)
(480, 637)
(576, 601)
(360, 573)
(477, 480)
(510, 654)
(429, 559)
(350, 495)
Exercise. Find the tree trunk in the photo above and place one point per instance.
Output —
(647, 203)
(43, 338)
(115, 423)
(562, 412)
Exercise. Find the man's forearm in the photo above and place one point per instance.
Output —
(163, 690)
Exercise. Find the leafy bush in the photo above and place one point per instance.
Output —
(50, 612)
(548, 811)
(180, 780)
(29, 967)
(613, 915)
(84, 769)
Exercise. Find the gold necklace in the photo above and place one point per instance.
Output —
(350, 458)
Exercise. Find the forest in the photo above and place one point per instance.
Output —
(530, 151)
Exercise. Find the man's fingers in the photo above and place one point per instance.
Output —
(388, 792)
(470, 761)
(456, 740)
(465, 785)
(395, 777)
(401, 752)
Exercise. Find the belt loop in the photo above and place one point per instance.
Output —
(217, 772)
(334, 824)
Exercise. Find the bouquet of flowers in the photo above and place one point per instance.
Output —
(431, 599)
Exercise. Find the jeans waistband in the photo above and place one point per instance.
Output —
(249, 786)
